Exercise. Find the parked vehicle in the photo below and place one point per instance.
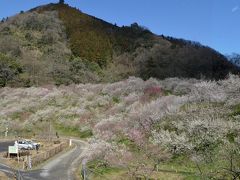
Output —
(23, 145)
(34, 144)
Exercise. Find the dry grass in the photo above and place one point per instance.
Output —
(122, 175)
(5, 177)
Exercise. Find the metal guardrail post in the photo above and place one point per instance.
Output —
(84, 170)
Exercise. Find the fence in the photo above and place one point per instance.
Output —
(39, 158)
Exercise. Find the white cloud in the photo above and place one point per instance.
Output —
(236, 8)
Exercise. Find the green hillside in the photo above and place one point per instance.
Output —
(59, 44)
(94, 39)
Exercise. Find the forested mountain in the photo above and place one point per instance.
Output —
(235, 59)
(59, 44)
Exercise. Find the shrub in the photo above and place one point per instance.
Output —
(236, 110)
(116, 99)
(10, 46)
(9, 69)
(49, 37)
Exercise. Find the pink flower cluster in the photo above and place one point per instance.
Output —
(153, 91)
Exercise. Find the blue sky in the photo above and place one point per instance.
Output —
(215, 23)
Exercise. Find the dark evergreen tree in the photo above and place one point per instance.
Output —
(61, 1)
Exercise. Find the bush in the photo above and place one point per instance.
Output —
(116, 99)
(10, 46)
(236, 110)
(84, 71)
(9, 69)
(49, 37)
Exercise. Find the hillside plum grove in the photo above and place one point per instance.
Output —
(138, 126)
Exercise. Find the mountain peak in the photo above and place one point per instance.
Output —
(59, 44)
(61, 2)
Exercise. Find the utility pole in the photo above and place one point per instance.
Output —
(50, 129)
(84, 173)
(6, 132)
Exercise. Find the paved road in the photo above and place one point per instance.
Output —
(4, 145)
(7, 170)
(61, 168)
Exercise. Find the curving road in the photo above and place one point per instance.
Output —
(7, 170)
(62, 167)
